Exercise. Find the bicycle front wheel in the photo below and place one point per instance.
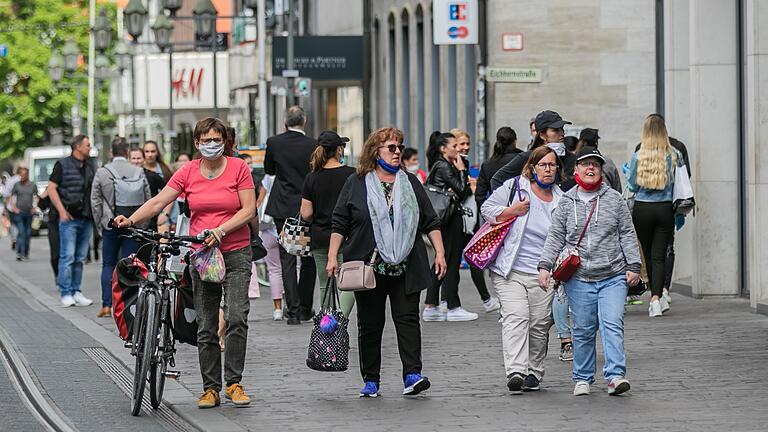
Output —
(147, 334)
(157, 372)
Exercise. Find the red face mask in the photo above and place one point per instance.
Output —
(587, 187)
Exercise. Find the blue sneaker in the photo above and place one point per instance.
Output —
(414, 384)
(531, 383)
(370, 389)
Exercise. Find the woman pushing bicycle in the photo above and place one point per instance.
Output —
(220, 193)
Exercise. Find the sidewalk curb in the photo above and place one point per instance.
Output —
(176, 397)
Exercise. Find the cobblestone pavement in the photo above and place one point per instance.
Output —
(701, 367)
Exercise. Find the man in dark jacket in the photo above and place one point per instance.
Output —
(69, 188)
(547, 122)
(287, 158)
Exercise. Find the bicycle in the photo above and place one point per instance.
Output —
(152, 343)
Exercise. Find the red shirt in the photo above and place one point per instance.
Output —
(214, 201)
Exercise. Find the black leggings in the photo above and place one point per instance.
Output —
(453, 241)
(655, 225)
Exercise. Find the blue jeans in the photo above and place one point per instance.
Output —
(598, 305)
(23, 222)
(74, 236)
(560, 316)
(114, 247)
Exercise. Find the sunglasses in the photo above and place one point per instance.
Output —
(393, 147)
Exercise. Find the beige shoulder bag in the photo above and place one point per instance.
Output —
(357, 275)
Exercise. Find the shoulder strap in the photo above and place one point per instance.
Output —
(515, 187)
(586, 224)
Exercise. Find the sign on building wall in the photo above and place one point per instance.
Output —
(455, 22)
(520, 75)
(192, 81)
(321, 57)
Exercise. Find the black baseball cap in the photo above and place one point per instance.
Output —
(587, 152)
(589, 135)
(331, 139)
(549, 119)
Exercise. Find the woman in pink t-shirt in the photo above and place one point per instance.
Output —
(220, 193)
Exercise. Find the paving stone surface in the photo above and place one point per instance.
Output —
(701, 367)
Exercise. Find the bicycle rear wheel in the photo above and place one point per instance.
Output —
(146, 349)
(157, 372)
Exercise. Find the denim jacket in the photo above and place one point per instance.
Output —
(653, 195)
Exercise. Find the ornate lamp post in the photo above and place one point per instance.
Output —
(163, 29)
(102, 31)
(135, 18)
(205, 29)
(56, 67)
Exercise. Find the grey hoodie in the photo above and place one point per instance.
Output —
(609, 247)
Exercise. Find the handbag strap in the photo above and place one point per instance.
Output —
(515, 188)
(586, 224)
(330, 289)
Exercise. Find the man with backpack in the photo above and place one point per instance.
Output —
(119, 188)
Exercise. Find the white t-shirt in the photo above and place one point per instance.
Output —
(586, 196)
(539, 221)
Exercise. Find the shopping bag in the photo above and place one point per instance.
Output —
(129, 274)
(682, 192)
(209, 263)
(484, 246)
(329, 342)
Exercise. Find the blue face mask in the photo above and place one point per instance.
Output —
(392, 169)
(545, 185)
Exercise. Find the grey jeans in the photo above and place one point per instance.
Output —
(236, 308)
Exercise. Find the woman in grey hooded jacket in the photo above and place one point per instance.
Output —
(610, 260)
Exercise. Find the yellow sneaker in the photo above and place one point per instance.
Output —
(209, 399)
(237, 395)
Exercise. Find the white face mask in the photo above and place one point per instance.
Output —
(211, 150)
(413, 169)
(559, 148)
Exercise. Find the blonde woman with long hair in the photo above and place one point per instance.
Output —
(651, 176)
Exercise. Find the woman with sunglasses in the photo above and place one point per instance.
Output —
(526, 308)
(610, 260)
(448, 172)
(220, 192)
(384, 210)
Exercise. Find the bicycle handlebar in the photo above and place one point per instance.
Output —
(156, 237)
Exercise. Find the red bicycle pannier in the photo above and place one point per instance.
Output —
(129, 274)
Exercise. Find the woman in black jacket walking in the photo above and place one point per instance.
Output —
(385, 210)
(448, 172)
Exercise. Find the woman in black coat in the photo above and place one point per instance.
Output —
(448, 172)
(384, 211)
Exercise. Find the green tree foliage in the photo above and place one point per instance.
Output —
(30, 103)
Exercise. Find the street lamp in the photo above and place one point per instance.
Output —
(71, 54)
(102, 67)
(205, 19)
(163, 29)
(205, 29)
(102, 31)
(252, 5)
(172, 6)
(135, 18)
(56, 66)
(122, 55)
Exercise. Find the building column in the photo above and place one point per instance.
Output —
(756, 112)
(677, 103)
(713, 147)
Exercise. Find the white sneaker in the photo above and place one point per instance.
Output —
(277, 315)
(654, 310)
(460, 314)
(67, 301)
(491, 305)
(443, 306)
(81, 300)
(581, 388)
(664, 304)
(433, 314)
(665, 295)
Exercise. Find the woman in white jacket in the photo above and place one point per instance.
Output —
(526, 308)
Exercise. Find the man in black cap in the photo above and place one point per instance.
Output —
(549, 131)
(589, 137)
